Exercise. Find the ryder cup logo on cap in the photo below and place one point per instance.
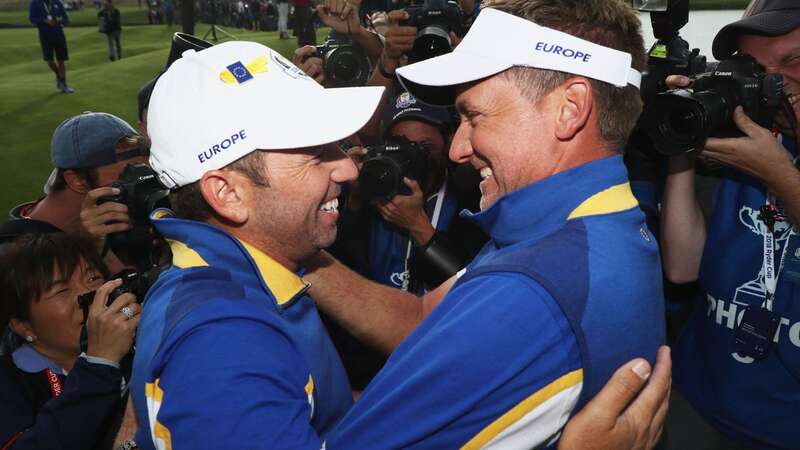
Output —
(498, 41)
(405, 100)
(217, 105)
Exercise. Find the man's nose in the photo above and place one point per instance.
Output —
(461, 148)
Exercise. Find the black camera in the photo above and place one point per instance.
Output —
(681, 120)
(434, 20)
(344, 63)
(132, 282)
(141, 192)
(670, 55)
(385, 166)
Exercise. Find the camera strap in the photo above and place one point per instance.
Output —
(56, 388)
(770, 214)
(437, 211)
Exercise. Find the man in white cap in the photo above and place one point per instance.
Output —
(569, 286)
(232, 353)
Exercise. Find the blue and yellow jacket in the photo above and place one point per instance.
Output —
(231, 353)
(567, 290)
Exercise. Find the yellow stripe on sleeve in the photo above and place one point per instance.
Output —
(523, 408)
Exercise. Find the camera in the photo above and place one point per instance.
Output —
(434, 20)
(385, 166)
(670, 55)
(132, 282)
(680, 120)
(345, 64)
(141, 192)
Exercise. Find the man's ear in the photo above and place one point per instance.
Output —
(76, 182)
(226, 192)
(575, 107)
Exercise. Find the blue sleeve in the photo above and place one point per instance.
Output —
(36, 12)
(234, 383)
(74, 420)
(493, 343)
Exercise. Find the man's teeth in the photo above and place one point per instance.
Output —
(330, 206)
(486, 172)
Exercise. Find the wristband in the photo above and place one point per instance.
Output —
(382, 70)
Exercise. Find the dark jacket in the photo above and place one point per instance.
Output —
(110, 21)
(39, 10)
(31, 417)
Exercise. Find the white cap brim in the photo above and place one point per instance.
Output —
(498, 41)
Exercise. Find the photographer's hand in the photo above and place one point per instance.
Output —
(311, 65)
(399, 40)
(406, 211)
(103, 219)
(760, 154)
(110, 332)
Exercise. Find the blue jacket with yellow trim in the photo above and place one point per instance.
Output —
(567, 290)
(231, 353)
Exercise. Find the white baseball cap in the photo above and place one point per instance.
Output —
(214, 106)
(498, 41)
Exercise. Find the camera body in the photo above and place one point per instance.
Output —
(345, 64)
(680, 120)
(385, 166)
(142, 193)
(434, 20)
(132, 282)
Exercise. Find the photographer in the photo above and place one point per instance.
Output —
(737, 364)
(111, 25)
(415, 240)
(52, 395)
(89, 152)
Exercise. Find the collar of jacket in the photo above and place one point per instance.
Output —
(598, 187)
(197, 244)
(27, 359)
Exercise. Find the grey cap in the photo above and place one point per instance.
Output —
(762, 17)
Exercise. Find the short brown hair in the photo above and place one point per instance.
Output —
(188, 202)
(29, 265)
(610, 23)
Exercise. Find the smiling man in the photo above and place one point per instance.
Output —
(234, 355)
(569, 286)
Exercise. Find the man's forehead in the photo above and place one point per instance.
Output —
(770, 48)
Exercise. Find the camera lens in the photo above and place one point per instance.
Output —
(431, 41)
(347, 66)
(380, 178)
(680, 121)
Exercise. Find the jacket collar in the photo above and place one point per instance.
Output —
(197, 244)
(598, 187)
(27, 359)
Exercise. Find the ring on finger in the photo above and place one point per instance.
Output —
(127, 312)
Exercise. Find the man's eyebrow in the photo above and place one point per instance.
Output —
(54, 284)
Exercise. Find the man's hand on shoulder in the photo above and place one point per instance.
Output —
(622, 415)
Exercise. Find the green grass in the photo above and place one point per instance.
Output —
(31, 108)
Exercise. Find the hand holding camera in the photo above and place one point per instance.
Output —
(406, 211)
(111, 329)
(99, 218)
(305, 58)
(340, 15)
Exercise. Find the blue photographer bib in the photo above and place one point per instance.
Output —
(753, 401)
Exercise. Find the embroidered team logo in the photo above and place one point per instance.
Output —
(238, 73)
(405, 100)
(288, 68)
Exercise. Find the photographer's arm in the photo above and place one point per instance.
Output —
(399, 40)
(683, 232)
(377, 315)
(761, 155)
(342, 17)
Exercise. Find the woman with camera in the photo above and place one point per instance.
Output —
(52, 395)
